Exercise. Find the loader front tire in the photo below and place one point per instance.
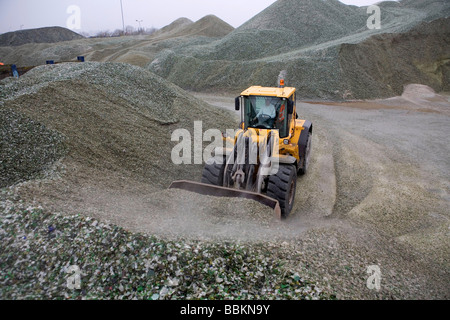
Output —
(213, 171)
(282, 186)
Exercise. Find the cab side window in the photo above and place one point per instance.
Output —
(281, 120)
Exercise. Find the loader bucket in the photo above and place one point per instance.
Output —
(216, 191)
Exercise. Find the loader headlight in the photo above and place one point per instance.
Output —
(286, 141)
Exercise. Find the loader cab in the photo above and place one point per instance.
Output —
(267, 108)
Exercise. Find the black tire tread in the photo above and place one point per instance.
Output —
(213, 173)
(302, 171)
(278, 187)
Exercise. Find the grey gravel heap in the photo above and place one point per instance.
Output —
(311, 39)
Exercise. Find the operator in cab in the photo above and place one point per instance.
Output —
(267, 113)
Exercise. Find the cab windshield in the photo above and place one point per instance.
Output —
(266, 113)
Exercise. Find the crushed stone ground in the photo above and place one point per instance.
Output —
(377, 193)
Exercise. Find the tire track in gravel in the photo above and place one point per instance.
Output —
(353, 175)
(317, 190)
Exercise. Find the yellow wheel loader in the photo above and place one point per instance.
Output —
(263, 158)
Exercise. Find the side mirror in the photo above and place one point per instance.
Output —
(290, 107)
(237, 103)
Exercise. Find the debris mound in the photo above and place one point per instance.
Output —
(174, 27)
(326, 47)
(208, 26)
(136, 50)
(383, 64)
(116, 118)
(40, 35)
(27, 148)
(291, 24)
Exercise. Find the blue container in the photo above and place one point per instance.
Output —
(50, 62)
(14, 71)
(80, 58)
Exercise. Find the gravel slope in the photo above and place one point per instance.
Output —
(326, 48)
(27, 148)
(115, 117)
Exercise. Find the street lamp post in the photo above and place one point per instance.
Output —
(139, 21)
(123, 21)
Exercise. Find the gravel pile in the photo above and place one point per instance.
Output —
(208, 26)
(383, 64)
(136, 50)
(40, 35)
(288, 25)
(178, 34)
(39, 250)
(310, 39)
(115, 117)
(325, 46)
(27, 148)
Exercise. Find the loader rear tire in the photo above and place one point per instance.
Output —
(282, 186)
(306, 159)
(213, 172)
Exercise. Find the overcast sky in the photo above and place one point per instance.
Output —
(96, 15)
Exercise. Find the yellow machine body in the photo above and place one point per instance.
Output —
(262, 160)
